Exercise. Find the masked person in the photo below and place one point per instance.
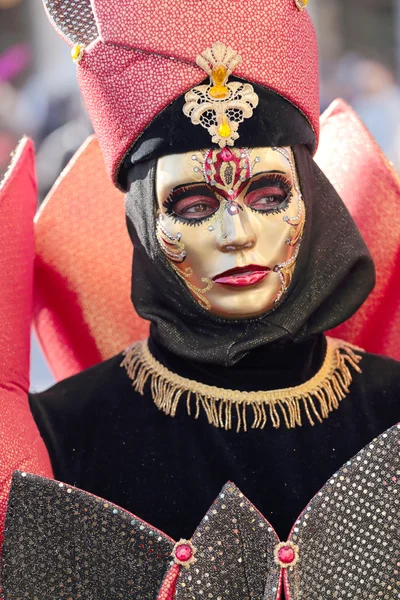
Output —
(244, 255)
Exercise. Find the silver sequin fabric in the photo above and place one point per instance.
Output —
(75, 19)
(349, 535)
(62, 543)
(235, 553)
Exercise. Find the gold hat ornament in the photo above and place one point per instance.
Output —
(301, 4)
(220, 106)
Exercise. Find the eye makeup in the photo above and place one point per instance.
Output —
(269, 193)
(191, 204)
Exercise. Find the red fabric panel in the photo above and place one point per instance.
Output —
(82, 308)
(21, 446)
(370, 188)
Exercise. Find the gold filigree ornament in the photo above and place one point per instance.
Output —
(301, 4)
(286, 270)
(315, 398)
(220, 106)
(171, 245)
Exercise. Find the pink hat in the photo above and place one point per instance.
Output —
(136, 57)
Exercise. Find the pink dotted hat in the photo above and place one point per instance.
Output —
(135, 58)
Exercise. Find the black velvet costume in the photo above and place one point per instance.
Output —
(105, 438)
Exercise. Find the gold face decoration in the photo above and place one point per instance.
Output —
(230, 221)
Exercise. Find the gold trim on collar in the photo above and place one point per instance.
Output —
(316, 398)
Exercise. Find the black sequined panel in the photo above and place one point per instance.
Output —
(235, 553)
(62, 543)
(74, 18)
(349, 535)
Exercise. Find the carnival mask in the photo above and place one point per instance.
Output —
(230, 222)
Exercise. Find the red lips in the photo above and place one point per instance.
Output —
(242, 276)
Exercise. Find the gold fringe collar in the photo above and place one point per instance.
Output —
(316, 398)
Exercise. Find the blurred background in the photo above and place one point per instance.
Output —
(359, 58)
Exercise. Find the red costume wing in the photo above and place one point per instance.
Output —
(82, 308)
(21, 446)
(370, 188)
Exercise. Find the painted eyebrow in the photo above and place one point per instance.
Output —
(257, 183)
(192, 184)
(273, 171)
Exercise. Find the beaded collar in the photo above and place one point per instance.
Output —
(316, 398)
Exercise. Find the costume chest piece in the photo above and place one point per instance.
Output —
(345, 544)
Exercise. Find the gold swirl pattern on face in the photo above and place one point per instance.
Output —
(186, 274)
(285, 270)
(174, 250)
(171, 245)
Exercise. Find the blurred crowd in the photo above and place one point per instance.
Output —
(57, 124)
(38, 93)
(370, 87)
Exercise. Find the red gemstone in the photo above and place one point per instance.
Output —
(184, 552)
(286, 555)
(226, 154)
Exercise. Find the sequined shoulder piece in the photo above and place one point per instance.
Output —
(61, 542)
(348, 537)
(64, 543)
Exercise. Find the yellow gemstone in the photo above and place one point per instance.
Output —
(218, 75)
(224, 130)
(301, 4)
(76, 52)
(219, 92)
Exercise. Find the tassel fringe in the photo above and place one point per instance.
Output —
(316, 398)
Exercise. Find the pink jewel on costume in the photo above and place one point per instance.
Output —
(184, 552)
(226, 154)
(286, 554)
